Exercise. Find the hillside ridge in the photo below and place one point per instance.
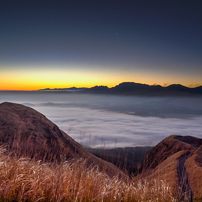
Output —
(26, 132)
(176, 159)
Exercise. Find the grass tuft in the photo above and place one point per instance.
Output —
(25, 179)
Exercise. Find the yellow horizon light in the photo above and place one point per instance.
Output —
(50, 79)
(41, 78)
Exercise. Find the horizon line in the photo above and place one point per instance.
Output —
(69, 88)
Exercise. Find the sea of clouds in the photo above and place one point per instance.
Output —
(97, 128)
(115, 121)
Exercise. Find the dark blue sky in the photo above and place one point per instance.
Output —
(113, 41)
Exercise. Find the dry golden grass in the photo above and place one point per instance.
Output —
(23, 179)
(167, 171)
(194, 169)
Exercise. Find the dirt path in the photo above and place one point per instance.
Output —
(185, 188)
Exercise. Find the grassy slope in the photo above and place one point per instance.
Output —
(167, 172)
(193, 167)
(23, 179)
(28, 132)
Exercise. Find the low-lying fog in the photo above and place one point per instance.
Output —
(110, 120)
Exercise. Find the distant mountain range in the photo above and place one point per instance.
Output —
(131, 88)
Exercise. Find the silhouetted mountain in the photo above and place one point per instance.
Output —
(131, 88)
(178, 161)
(26, 132)
(98, 89)
(178, 87)
(197, 90)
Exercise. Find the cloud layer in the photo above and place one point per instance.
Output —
(109, 129)
(121, 121)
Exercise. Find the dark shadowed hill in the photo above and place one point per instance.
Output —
(27, 132)
(128, 159)
(178, 160)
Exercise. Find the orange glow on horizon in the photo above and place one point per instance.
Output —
(35, 81)
(48, 78)
(37, 86)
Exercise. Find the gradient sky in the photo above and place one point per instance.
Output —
(83, 43)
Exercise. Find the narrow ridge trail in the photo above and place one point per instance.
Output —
(186, 193)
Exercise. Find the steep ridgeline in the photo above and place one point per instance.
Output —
(26, 132)
(178, 161)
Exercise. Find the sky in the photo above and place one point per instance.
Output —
(83, 43)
